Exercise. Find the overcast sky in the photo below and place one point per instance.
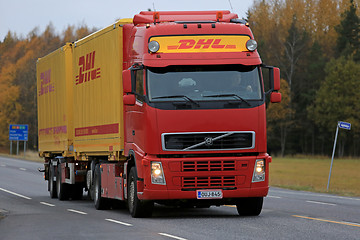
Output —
(22, 16)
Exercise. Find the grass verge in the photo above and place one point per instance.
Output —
(311, 174)
(30, 156)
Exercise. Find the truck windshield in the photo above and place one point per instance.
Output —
(204, 83)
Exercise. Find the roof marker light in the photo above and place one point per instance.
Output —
(156, 16)
(219, 15)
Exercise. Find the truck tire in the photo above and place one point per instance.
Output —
(100, 202)
(52, 183)
(137, 208)
(249, 206)
(62, 188)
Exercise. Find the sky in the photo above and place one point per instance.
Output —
(22, 16)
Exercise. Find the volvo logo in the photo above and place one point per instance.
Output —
(208, 141)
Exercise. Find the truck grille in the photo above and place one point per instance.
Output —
(199, 166)
(208, 141)
(208, 182)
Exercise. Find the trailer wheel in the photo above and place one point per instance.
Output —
(100, 202)
(249, 206)
(52, 183)
(137, 208)
(62, 188)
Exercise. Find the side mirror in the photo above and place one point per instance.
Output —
(126, 77)
(276, 79)
(274, 83)
(275, 97)
(129, 99)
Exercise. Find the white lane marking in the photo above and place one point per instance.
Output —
(172, 236)
(16, 194)
(118, 222)
(314, 194)
(22, 169)
(3, 165)
(47, 204)
(274, 197)
(323, 203)
(76, 211)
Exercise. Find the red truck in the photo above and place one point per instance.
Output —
(166, 108)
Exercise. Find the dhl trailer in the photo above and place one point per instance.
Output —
(165, 108)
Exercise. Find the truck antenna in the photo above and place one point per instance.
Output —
(154, 6)
(231, 6)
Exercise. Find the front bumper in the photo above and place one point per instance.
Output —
(149, 194)
(233, 175)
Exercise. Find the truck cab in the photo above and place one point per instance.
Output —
(194, 107)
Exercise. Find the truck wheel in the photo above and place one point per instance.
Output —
(137, 208)
(52, 183)
(249, 206)
(100, 202)
(62, 188)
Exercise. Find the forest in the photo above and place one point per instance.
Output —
(315, 43)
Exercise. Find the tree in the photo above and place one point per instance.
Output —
(294, 48)
(279, 118)
(18, 57)
(335, 100)
(348, 41)
(10, 108)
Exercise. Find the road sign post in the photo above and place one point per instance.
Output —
(18, 132)
(343, 125)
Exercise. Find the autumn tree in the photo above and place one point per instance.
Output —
(300, 37)
(18, 103)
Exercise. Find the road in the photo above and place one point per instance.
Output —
(27, 212)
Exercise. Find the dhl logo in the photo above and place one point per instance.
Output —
(46, 86)
(202, 43)
(87, 70)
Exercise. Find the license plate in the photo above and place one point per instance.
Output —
(209, 194)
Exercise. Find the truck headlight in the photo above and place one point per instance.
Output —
(157, 173)
(259, 171)
(154, 46)
(251, 45)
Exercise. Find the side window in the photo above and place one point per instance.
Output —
(139, 85)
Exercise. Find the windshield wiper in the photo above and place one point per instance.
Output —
(230, 95)
(179, 96)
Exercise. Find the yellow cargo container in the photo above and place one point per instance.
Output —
(98, 108)
(80, 102)
(55, 102)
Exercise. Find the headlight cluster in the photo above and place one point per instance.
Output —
(157, 173)
(259, 171)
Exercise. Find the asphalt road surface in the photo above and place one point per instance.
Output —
(28, 212)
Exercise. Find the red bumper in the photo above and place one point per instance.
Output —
(184, 176)
(178, 194)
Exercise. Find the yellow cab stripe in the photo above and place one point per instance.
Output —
(208, 43)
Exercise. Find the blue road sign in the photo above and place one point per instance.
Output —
(344, 125)
(18, 132)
